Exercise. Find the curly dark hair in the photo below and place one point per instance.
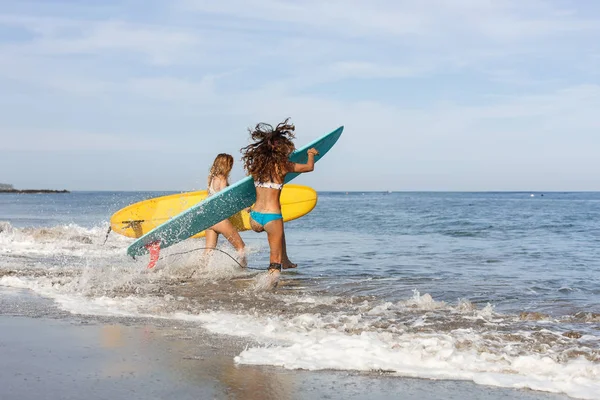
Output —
(267, 158)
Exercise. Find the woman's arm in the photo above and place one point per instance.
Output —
(310, 164)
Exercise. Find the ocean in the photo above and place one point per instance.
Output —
(501, 289)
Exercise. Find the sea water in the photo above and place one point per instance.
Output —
(501, 288)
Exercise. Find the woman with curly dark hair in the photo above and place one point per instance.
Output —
(267, 160)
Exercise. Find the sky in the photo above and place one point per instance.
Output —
(458, 95)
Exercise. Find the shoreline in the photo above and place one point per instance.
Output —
(53, 354)
(143, 359)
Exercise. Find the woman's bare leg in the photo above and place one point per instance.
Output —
(277, 245)
(275, 236)
(227, 229)
(276, 240)
(211, 240)
(286, 261)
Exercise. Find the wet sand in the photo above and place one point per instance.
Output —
(46, 353)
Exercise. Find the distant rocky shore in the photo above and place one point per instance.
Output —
(33, 191)
(6, 188)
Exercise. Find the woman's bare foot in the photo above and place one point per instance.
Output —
(287, 264)
(241, 259)
(273, 278)
(267, 281)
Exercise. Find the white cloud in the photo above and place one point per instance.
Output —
(364, 69)
(506, 19)
(312, 42)
(65, 37)
(456, 89)
(174, 89)
(49, 141)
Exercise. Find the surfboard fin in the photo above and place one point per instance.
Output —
(154, 250)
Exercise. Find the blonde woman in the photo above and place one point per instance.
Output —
(218, 179)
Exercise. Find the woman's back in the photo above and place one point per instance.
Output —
(216, 183)
(268, 195)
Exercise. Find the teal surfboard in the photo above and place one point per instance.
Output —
(222, 205)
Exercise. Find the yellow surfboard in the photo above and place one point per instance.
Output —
(137, 219)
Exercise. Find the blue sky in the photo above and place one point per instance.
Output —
(434, 95)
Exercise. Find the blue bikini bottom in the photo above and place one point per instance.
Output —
(264, 218)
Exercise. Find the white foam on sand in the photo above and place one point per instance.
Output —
(316, 342)
(343, 340)
(63, 240)
(350, 342)
(76, 248)
(70, 300)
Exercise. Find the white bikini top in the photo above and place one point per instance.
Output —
(269, 185)
(211, 190)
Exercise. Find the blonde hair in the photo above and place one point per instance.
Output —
(221, 166)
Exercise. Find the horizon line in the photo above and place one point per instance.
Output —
(350, 191)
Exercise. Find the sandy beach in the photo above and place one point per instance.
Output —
(48, 353)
